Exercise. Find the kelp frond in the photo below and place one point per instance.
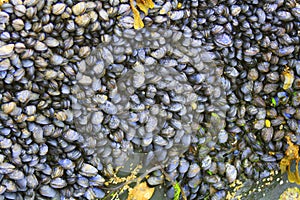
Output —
(291, 154)
(177, 191)
(143, 5)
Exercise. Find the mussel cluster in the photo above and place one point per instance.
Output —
(202, 97)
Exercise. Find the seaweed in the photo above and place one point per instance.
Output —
(291, 154)
(140, 192)
(177, 189)
(118, 185)
(143, 5)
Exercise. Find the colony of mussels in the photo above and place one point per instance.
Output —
(208, 90)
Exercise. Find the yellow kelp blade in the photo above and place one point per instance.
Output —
(284, 163)
(140, 192)
(297, 173)
(138, 23)
(282, 168)
(144, 5)
(291, 177)
(148, 3)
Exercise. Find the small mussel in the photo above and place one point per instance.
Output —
(88, 170)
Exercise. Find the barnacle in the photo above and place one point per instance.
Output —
(144, 5)
(291, 154)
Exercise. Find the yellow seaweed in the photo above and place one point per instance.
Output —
(144, 6)
(140, 192)
(138, 23)
(284, 163)
(291, 154)
(297, 177)
(291, 177)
